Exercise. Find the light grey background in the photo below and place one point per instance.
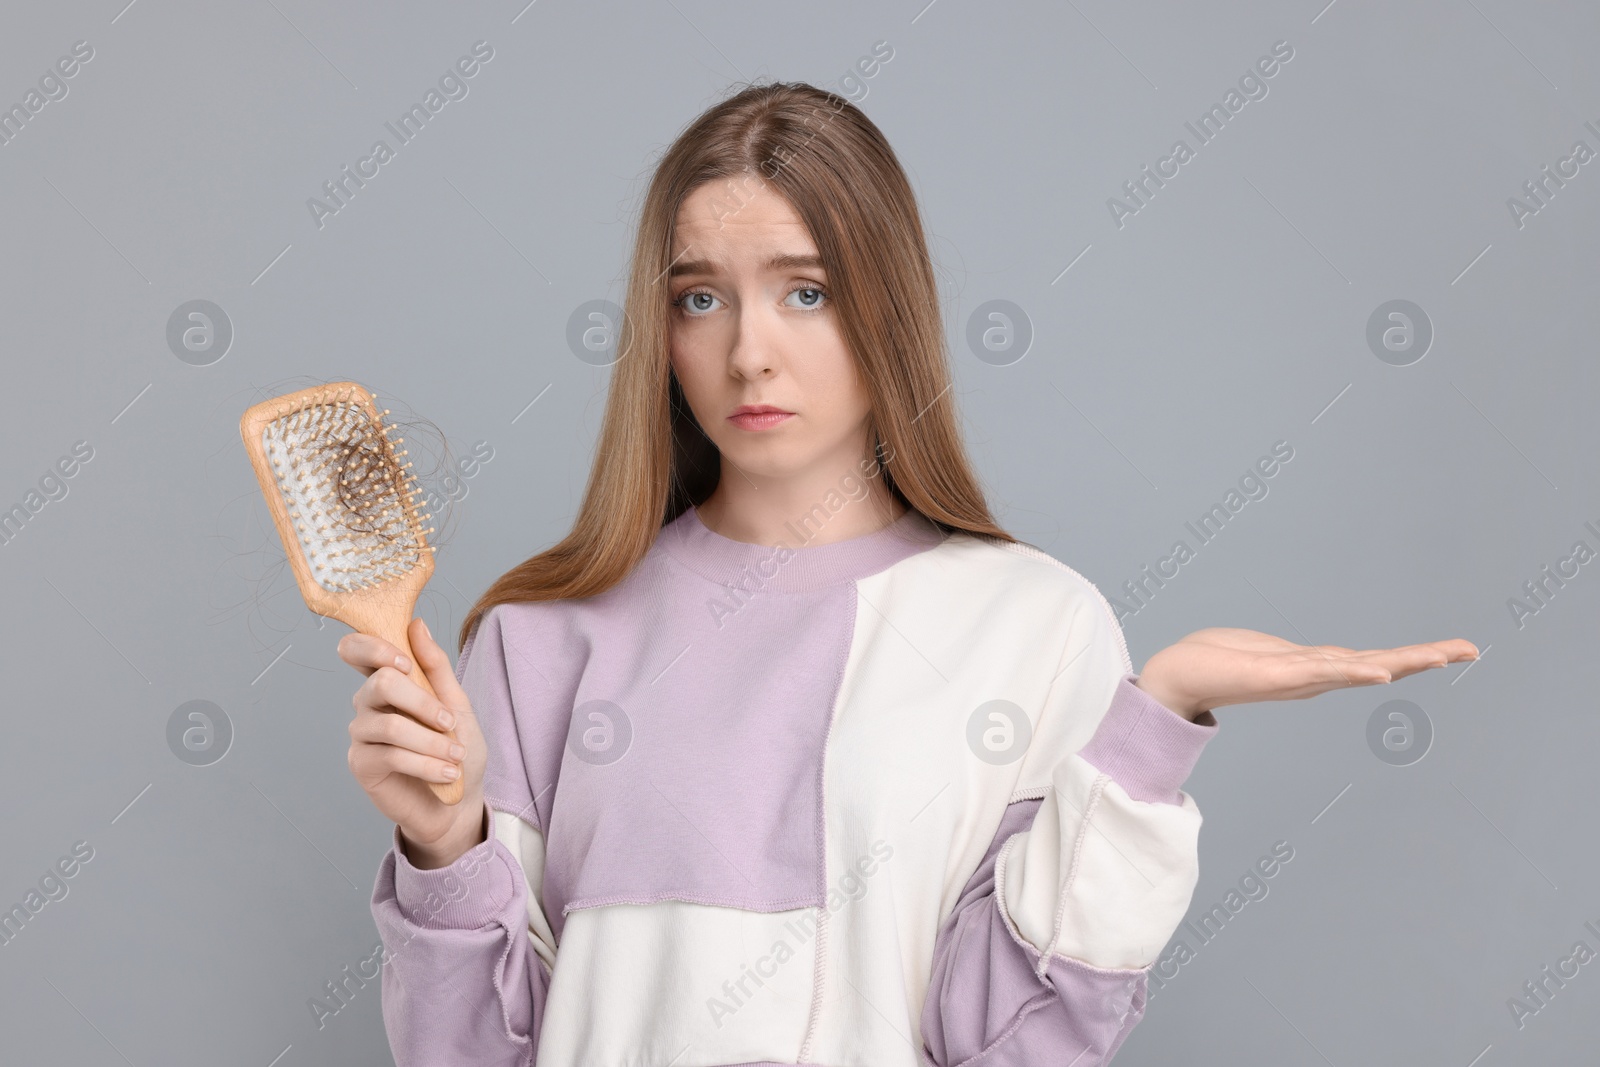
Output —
(1228, 314)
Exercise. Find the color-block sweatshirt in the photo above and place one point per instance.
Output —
(890, 801)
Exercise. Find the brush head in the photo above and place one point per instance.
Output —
(341, 492)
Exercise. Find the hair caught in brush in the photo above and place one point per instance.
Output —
(354, 451)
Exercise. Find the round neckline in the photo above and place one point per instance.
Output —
(793, 566)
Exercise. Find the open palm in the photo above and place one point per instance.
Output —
(1221, 665)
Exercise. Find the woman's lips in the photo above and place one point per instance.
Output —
(760, 420)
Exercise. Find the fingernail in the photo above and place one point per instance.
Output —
(426, 632)
(403, 663)
(456, 752)
(452, 773)
(447, 718)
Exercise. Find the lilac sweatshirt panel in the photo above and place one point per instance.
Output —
(692, 770)
(674, 750)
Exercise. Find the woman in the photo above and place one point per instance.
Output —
(788, 754)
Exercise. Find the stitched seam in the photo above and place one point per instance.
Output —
(842, 646)
(1095, 792)
(1001, 870)
(744, 903)
(1023, 1012)
(525, 1043)
(846, 642)
(814, 1016)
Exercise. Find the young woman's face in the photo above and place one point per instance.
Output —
(752, 324)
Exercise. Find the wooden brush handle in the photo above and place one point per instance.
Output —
(449, 792)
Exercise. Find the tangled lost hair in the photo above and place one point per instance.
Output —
(832, 164)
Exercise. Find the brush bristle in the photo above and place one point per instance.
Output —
(350, 499)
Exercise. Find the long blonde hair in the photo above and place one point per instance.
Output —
(833, 165)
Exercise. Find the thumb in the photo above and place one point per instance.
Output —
(436, 662)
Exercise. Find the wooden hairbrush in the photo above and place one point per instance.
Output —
(346, 509)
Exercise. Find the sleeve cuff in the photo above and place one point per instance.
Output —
(1145, 746)
(469, 894)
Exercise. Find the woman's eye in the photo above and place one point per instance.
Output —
(695, 302)
(813, 302)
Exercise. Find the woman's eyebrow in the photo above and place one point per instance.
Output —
(781, 261)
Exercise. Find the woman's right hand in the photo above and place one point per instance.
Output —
(394, 756)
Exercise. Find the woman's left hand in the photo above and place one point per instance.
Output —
(1218, 665)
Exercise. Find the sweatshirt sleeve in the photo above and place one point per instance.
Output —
(1046, 954)
(468, 950)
